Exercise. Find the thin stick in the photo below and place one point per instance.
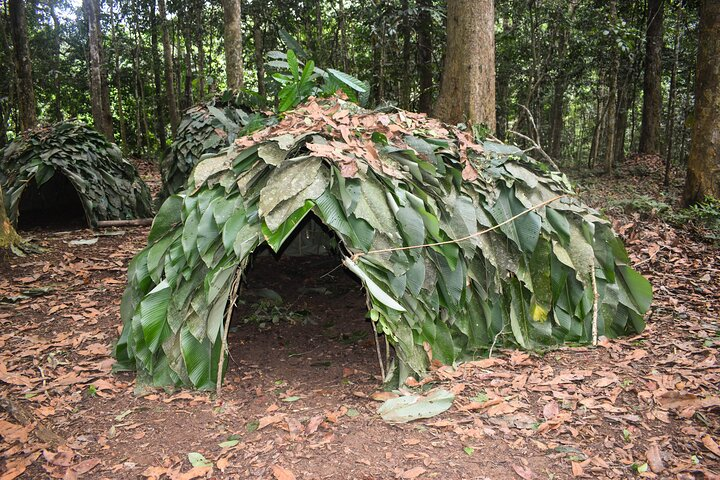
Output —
(468, 237)
(490, 352)
(537, 147)
(228, 317)
(596, 298)
(377, 342)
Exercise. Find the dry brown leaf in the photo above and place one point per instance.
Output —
(711, 445)
(412, 473)
(313, 424)
(74, 472)
(154, 473)
(654, 459)
(195, 472)
(269, 420)
(382, 396)
(281, 473)
(577, 469)
(524, 472)
(223, 463)
(550, 410)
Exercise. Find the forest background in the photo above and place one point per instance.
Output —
(589, 81)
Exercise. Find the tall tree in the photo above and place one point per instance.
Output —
(99, 94)
(233, 43)
(703, 177)
(424, 55)
(23, 65)
(169, 69)
(652, 93)
(467, 91)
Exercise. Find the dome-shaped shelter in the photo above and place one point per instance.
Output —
(460, 245)
(51, 167)
(205, 129)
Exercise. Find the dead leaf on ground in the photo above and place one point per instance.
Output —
(654, 459)
(524, 472)
(281, 473)
(412, 473)
(711, 445)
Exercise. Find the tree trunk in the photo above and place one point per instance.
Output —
(56, 108)
(259, 40)
(424, 30)
(406, 82)
(233, 43)
(671, 102)
(199, 35)
(160, 131)
(118, 81)
(169, 69)
(703, 178)
(612, 95)
(467, 92)
(652, 94)
(23, 65)
(98, 103)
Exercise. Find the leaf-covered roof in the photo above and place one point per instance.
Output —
(205, 129)
(387, 184)
(109, 187)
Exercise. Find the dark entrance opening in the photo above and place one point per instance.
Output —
(301, 320)
(54, 205)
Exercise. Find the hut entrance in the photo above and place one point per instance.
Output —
(54, 205)
(301, 316)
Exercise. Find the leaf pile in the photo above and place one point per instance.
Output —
(109, 187)
(382, 181)
(205, 129)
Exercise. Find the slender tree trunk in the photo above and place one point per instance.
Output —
(199, 35)
(652, 93)
(56, 108)
(406, 82)
(424, 31)
(467, 92)
(670, 126)
(169, 69)
(118, 80)
(612, 96)
(23, 65)
(343, 35)
(233, 43)
(703, 178)
(160, 131)
(556, 116)
(259, 40)
(187, 94)
(98, 86)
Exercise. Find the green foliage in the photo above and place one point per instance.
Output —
(205, 129)
(299, 85)
(387, 181)
(108, 186)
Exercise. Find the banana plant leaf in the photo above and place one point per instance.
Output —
(108, 187)
(382, 181)
(205, 129)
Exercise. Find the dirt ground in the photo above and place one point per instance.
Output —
(300, 396)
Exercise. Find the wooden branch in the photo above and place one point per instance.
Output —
(137, 222)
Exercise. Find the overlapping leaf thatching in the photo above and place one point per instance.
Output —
(108, 187)
(382, 181)
(205, 129)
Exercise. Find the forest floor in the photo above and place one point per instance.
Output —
(299, 402)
